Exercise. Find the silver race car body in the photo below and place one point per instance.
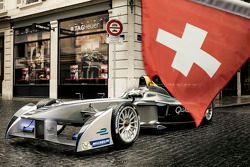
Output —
(101, 122)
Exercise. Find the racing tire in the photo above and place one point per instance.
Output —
(48, 102)
(208, 115)
(125, 125)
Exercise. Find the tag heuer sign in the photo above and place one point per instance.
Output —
(41, 27)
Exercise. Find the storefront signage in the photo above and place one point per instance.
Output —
(67, 32)
(83, 25)
(114, 27)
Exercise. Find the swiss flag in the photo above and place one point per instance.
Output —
(194, 49)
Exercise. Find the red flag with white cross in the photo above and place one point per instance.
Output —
(193, 48)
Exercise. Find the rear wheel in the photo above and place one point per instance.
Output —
(48, 102)
(208, 114)
(125, 125)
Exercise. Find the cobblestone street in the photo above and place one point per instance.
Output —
(225, 142)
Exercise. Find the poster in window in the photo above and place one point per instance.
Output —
(74, 72)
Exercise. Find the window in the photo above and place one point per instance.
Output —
(84, 51)
(32, 56)
(23, 3)
(31, 1)
(1, 5)
(19, 3)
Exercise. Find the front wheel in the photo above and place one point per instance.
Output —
(125, 125)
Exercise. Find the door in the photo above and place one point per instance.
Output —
(1, 61)
(245, 79)
(231, 88)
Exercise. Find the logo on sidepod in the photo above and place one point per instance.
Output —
(86, 146)
(102, 132)
(180, 109)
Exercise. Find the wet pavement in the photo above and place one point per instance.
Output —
(224, 142)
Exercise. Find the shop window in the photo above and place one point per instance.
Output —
(32, 63)
(83, 57)
(84, 51)
(32, 57)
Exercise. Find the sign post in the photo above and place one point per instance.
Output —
(114, 29)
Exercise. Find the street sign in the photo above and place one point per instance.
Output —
(41, 27)
(115, 39)
(114, 27)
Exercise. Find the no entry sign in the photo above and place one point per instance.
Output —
(114, 27)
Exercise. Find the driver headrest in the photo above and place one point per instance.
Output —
(146, 81)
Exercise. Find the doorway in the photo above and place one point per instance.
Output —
(245, 79)
(1, 61)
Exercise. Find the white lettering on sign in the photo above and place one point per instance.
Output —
(188, 50)
(83, 27)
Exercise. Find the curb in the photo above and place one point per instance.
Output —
(232, 105)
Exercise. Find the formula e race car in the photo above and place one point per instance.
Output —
(101, 122)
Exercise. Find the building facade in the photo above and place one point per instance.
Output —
(60, 49)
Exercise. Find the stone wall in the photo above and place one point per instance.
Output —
(125, 59)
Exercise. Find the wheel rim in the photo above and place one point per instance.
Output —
(209, 113)
(128, 124)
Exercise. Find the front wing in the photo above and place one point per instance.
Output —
(95, 133)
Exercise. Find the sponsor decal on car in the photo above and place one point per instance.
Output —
(102, 132)
(101, 142)
(180, 109)
(86, 145)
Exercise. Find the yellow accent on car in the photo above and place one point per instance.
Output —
(149, 82)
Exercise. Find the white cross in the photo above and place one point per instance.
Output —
(188, 50)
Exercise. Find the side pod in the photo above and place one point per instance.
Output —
(96, 132)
